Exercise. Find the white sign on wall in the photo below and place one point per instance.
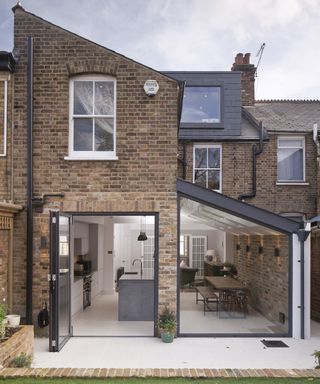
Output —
(151, 87)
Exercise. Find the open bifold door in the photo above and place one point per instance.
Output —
(59, 280)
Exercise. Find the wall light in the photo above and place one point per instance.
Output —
(260, 249)
(277, 252)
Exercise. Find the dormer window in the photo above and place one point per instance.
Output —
(92, 118)
(201, 105)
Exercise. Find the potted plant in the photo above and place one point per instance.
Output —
(3, 312)
(167, 325)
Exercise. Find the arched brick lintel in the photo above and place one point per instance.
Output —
(90, 67)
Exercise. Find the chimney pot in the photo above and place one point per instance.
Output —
(246, 59)
(239, 59)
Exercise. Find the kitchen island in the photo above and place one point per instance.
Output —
(136, 298)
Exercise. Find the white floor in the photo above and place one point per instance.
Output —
(193, 320)
(101, 319)
(125, 352)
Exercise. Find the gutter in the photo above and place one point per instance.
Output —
(29, 277)
(256, 150)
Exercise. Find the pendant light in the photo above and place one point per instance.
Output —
(142, 235)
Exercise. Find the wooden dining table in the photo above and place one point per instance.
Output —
(222, 283)
(227, 301)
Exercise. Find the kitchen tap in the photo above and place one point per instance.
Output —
(140, 265)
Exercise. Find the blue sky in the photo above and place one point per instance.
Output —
(197, 35)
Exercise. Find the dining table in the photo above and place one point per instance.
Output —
(233, 294)
(224, 283)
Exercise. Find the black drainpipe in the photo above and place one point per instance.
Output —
(302, 236)
(183, 161)
(256, 150)
(29, 181)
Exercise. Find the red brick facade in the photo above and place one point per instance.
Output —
(142, 179)
(144, 176)
(237, 177)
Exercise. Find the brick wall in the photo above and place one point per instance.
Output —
(237, 177)
(144, 177)
(265, 275)
(19, 342)
(5, 161)
(248, 71)
(4, 254)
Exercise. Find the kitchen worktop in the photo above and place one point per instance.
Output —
(80, 277)
(130, 276)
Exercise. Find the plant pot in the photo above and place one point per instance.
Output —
(167, 337)
(13, 320)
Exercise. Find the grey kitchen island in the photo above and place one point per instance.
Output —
(136, 298)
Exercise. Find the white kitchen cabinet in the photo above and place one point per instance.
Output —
(77, 296)
(94, 285)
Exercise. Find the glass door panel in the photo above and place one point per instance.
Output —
(59, 278)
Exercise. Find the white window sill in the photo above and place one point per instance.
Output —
(294, 183)
(84, 158)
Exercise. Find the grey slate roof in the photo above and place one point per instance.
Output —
(286, 115)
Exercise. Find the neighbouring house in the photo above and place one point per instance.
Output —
(135, 189)
(260, 152)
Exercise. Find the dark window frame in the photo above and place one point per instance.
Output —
(207, 125)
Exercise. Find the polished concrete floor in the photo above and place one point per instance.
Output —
(193, 320)
(151, 352)
(101, 319)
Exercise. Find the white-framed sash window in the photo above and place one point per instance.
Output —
(92, 126)
(207, 166)
(291, 159)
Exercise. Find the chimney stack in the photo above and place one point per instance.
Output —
(248, 71)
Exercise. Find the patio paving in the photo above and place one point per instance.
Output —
(184, 353)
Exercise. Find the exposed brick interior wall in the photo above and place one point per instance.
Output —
(19, 342)
(266, 276)
(315, 276)
(4, 255)
(237, 177)
(144, 177)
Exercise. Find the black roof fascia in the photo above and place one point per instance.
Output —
(7, 61)
(236, 207)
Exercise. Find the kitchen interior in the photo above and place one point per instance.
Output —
(112, 290)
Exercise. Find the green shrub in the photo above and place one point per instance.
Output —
(167, 321)
(21, 361)
(3, 312)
